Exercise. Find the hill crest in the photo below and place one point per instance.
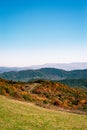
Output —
(46, 93)
(44, 73)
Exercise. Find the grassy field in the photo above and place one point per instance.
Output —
(17, 115)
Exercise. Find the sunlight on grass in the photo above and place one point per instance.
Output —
(17, 115)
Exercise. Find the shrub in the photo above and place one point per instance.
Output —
(9, 91)
(57, 102)
(45, 101)
(75, 102)
(1, 88)
(27, 97)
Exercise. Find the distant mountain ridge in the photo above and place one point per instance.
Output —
(64, 66)
(44, 73)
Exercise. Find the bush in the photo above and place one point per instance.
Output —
(1, 88)
(27, 97)
(45, 101)
(75, 102)
(57, 102)
(9, 91)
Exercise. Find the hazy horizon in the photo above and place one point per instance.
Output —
(37, 32)
(73, 64)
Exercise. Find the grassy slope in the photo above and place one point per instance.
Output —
(17, 115)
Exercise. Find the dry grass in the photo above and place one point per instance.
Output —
(17, 115)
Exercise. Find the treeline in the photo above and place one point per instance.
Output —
(82, 83)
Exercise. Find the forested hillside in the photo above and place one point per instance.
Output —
(44, 73)
(46, 94)
(82, 83)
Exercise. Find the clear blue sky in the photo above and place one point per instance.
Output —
(42, 31)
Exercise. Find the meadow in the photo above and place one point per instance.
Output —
(19, 115)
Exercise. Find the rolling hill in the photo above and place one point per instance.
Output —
(64, 66)
(45, 93)
(44, 73)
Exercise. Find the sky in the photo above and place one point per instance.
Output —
(35, 32)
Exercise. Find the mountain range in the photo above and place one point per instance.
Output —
(64, 66)
(44, 73)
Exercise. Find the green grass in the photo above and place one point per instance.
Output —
(17, 115)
